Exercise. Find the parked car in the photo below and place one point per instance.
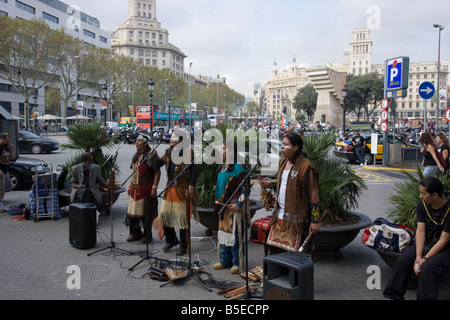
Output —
(22, 171)
(344, 148)
(30, 142)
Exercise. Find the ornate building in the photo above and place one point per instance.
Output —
(279, 92)
(142, 38)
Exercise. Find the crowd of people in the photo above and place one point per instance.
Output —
(296, 214)
(435, 150)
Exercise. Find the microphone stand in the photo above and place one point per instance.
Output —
(248, 293)
(110, 199)
(146, 220)
(191, 273)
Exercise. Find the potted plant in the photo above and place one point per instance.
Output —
(90, 137)
(206, 187)
(339, 190)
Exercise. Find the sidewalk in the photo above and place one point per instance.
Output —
(37, 261)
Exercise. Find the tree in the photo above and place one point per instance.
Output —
(26, 50)
(364, 91)
(306, 100)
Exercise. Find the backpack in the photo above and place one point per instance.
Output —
(442, 162)
(387, 236)
(15, 210)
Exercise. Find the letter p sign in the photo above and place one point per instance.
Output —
(394, 74)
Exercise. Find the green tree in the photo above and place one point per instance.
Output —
(306, 100)
(365, 93)
(26, 50)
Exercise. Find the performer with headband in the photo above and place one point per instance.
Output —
(231, 222)
(143, 201)
(173, 208)
(296, 212)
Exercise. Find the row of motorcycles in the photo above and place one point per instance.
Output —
(409, 136)
(129, 135)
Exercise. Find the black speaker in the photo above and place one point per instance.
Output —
(288, 276)
(82, 225)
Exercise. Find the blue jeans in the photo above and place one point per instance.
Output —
(430, 171)
(360, 154)
(229, 256)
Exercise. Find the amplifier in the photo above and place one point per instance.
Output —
(82, 225)
(288, 276)
(260, 230)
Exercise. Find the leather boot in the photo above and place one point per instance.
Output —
(135, 235)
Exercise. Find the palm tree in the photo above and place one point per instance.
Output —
(406, 197)
(339, 185)
(90, 137)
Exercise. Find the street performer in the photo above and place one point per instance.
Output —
(174, 207)
(143, 202)
(296, 212)
(231, 221)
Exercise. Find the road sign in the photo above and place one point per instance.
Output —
(104, 104)
(427, 90)
(447, 115)
(385, 104)
(384, 127)
(384, 115)
(397, 74)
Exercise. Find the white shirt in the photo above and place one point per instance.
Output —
(282, 194)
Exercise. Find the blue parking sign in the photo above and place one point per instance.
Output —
(397, 74)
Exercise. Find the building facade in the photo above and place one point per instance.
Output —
(57, 15)
(278, 93)
(142, 38)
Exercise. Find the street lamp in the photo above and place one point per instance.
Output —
(105, 98)
(344, 95)
(169, 101)
(151, 88)
(438, 100)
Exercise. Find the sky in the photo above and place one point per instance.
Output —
(241, 39)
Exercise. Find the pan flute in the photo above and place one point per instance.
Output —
(256, 274)
(175, 275)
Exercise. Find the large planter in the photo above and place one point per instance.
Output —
(211, 221)
(64, 198)
(333, 238)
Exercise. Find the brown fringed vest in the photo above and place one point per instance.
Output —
(297, 207)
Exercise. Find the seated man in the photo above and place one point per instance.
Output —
(86, 177)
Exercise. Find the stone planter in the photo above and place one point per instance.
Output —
(211, 221)
(333, 238)
(64, 198)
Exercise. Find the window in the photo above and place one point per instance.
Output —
(103, 39)
(25, 7)
(89, 33)
(49, 17)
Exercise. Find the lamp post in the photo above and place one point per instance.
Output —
(344, 95)
(105, 98)
(169, 101)
(438, 100)
(151, 88)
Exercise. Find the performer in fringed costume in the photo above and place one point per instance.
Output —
(143, 202)
(174, 207)
(296, 213)
(231, 221)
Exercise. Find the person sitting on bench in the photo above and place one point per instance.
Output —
(86, 177)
